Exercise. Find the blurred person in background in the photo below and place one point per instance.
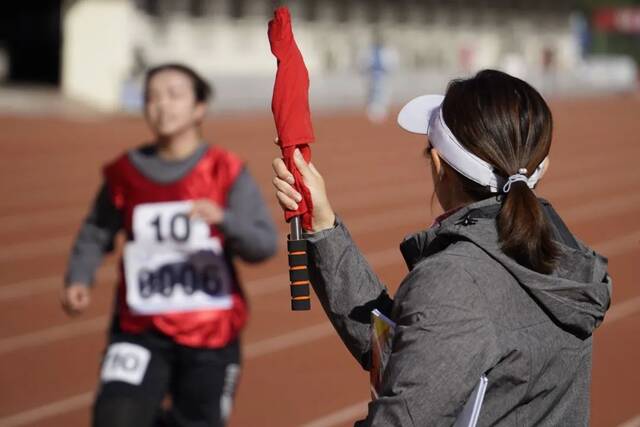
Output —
(188, 209)
(498, 285)
(549, 68)
(378, 63)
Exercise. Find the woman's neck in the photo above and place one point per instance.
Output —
(179, 146)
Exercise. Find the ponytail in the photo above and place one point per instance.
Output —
(507, 123)
(524, 231)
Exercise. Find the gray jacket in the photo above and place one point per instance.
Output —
(466, 309)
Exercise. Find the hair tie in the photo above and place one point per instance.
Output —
(424, 115)
(520, 176)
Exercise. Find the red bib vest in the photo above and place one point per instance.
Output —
(211, 178)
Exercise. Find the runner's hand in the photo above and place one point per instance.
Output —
(75, 298)
(208, 211)
(323, 216)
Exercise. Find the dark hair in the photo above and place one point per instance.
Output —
(507, 123)
(201, 89)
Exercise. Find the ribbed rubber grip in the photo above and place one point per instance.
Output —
(299, 275)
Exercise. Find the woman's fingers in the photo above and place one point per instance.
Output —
(283, 182)
(282, 172)
(285, 201)
(301, 163)
(288, 197)
(305, 169)
(287, 189)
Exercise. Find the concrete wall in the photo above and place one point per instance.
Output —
(97, 50)
(109, 44)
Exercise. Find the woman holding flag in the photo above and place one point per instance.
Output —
(497, 286)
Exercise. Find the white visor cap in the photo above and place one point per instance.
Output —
(423, 115)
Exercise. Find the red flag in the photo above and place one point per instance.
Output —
(290, 105)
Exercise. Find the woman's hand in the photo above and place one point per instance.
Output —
(75, 298)
(208, 211)
(323, 216)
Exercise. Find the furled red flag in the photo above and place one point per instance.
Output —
(290, 105)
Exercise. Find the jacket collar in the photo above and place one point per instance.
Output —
(417, 246)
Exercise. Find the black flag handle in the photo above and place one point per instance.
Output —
(298, 272)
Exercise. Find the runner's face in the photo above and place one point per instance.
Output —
(171, 107)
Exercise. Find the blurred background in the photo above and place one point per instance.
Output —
(95, 51)
(70, 98)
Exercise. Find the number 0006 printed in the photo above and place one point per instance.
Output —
(173, 264)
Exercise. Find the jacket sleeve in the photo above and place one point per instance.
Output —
(94, 240)
(347, 287)
(247, 225)
(442, 344)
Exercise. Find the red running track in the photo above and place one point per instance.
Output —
(296, 372)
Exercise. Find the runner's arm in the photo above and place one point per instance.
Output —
(94, 240)
(247, 225)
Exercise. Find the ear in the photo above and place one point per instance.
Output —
(437, 162)
(200, 111)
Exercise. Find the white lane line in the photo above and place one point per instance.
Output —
(45, 336)
(633, 422)
(560, 188)
(27, 250)
(37, 218)
(600, 208)
(347, 414)
(292, 339)
(251, 350)
(50, 410)
(619, 245)
(27, 288)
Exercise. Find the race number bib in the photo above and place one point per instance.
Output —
(173, 264)
(125, 362)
